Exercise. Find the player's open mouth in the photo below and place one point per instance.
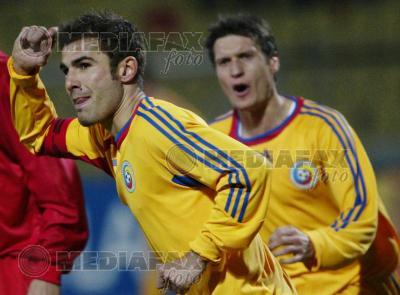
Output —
(81, 102)
(241, 90)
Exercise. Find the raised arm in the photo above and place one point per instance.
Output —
(33, 113)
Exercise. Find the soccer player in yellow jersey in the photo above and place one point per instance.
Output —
(198, 204)
(326, 222)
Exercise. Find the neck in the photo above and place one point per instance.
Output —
(124, 112)
(262, 118)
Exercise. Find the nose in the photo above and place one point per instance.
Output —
(71, 82)
(236, 69)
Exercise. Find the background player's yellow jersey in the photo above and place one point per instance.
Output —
(324, 185)
(179, 178)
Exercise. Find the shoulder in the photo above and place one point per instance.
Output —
(326, 121)
(323, 115)
(161, 125)
(159, 112)
(223, 122)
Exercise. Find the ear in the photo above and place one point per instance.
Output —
(274, 64)
(127, 69)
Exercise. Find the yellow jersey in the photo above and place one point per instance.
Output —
(178, 177)
(324, 185)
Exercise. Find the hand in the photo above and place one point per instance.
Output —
(32, 49)
(181, 274)
(39, 287)
(292, 241)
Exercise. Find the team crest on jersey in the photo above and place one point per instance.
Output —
(128, 176)
(304, 174)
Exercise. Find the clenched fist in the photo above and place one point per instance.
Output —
(180, 275)
(32, 49)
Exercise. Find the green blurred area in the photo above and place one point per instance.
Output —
(342, 53)
(346, 56)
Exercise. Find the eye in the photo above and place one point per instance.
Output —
(245, 55)
(223, 61)
(84, 65)
(64, 69)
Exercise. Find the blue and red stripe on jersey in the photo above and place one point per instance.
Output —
(306, 107)
(340, 128)
(54, 144)
(123, 132)
(164, 122)
(270, 134)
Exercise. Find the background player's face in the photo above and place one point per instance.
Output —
(94, 93)
(244, 72)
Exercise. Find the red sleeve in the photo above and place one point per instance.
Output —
(55, 145)
(56, 188)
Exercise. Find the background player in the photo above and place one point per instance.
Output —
(41, 211)
(190, 196)
(325, 220)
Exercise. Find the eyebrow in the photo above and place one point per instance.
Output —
(76, 62)
(247, 51)
(223, 58)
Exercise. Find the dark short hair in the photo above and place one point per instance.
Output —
(118, 38)
(244, 25)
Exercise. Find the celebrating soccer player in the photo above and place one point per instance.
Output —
(197, 203)
(326, 221)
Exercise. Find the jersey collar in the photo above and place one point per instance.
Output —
(270, 134)
(120, 136)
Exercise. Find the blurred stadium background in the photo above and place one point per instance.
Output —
(342, 53)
